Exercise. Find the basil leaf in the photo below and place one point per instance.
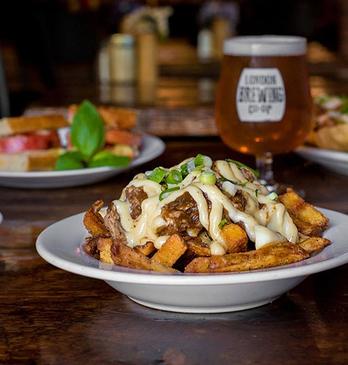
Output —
(87, 130)
(106, 158)
(70, 161)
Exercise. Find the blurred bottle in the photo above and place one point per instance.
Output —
(221, 17)
(221, 31)
(103, 64)
(122, 58)
(205, 45)
(147, 50)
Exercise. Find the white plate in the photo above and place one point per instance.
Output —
(60, 245)
(151, 148)
(333, 160)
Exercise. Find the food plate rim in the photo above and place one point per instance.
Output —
(322, 152)
(85, 171)
(127, 275)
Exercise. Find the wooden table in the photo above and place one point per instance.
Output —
(49, 316)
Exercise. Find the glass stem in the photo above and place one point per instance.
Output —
(264, 164)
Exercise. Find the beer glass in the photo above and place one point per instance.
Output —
(263, 103)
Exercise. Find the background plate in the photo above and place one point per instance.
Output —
(151, 148)
(333, 160)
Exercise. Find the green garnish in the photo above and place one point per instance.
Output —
(257, 192)
(222, 179)
(184, 170)
(174, 177)
(199, 168)
(87, 137)
(70, 161)
(202, 160)
(167, 192)
(272, 196)
(199, 160)
(107, 158)
(157, 175)
(207, 178)
(87, 130)
(240, 164)
(223, 223)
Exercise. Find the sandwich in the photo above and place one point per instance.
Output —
(36, 143)
(30, 143)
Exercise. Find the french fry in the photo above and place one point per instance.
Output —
(314, 244)
(235, 238)
(104, 246)
(273, 254)
(125, 256)
(146, 249)
(93, 221)
(198, 248)
(307, 219)
(170, 251)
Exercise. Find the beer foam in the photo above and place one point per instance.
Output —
(265, 45)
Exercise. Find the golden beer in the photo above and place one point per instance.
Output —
(263, 101)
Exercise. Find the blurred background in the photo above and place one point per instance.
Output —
(58, 52)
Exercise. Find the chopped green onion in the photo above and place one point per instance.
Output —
(184, 170)
(207, 178)
(157, 175)
(202, 160)
(223, 223)
(272, 196)
(240, 164)
(223, 179)
(257, 192)
(191, 166)
(174, 177)
(167, 192)
(199, 160)
(199, 168)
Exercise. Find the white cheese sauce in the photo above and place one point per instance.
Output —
(264, 220)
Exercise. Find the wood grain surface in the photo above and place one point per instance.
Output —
(48, 316)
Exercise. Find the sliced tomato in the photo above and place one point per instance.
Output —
(27, 142)
(116, 136)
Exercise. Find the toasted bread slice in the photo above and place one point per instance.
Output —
(9, 126)
(37, 160)
(120, 118)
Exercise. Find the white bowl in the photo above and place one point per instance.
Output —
(151, 148)
(333, 160)
(60, 245)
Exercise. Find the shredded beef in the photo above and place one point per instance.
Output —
(247, 173)
(113, 224)
(181, 215)
(90, 247)
(135, 197)
(239, 201)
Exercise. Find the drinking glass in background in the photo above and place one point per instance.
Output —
(263, 104)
